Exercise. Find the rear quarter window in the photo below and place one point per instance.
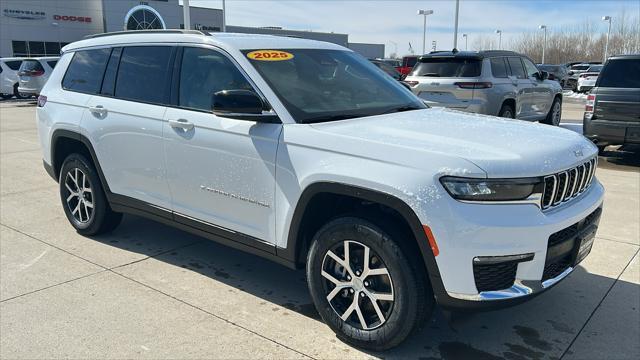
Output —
(85, 71)
(620, 73)
(498, 67)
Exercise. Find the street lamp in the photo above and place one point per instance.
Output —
(466, 42)
(424, 27)
(606, 45)
(499, 32)
(544, 44)
(455, 31)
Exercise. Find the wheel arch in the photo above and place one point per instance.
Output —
(299, 238)
(65, 142)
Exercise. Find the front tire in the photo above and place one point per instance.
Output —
(364, 286)
(83, 198)
(555, 113)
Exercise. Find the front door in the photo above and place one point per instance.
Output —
(522, 84)
(221, 171)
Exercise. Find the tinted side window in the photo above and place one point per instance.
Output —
(516, 67)
(85, 71)
(14, 64)
(620, 73)
(531, 69)
(498, 67)
(144, 74)
(52, 63)
(204, 72)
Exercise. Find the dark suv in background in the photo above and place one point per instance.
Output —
(612, 113)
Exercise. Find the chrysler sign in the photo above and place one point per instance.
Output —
(24, 14)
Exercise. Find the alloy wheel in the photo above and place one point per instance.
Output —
(358, 285)
(79, 195)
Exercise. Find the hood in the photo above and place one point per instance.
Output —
(500, 147)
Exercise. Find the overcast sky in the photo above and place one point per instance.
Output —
(388, 21)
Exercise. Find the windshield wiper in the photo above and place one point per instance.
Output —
(333, 117)
(402, 109)
(431, 74)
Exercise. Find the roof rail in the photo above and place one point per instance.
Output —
(131, 32)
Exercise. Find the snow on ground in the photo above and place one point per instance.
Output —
(573, 95)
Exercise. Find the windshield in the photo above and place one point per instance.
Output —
(447, 67)
(549, 68)
(596, 68)
(317, 85)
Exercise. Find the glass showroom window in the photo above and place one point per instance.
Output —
(143, 17)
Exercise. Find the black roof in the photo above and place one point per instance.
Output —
(471, 54)
(625, 56)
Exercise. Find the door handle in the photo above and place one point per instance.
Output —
(98, 109)
(182, 124)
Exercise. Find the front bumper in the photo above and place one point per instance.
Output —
(489, 231)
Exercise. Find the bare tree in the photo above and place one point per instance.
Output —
(581, 43)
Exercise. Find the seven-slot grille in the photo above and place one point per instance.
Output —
(568, 184)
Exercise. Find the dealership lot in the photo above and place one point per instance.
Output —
(150, 291)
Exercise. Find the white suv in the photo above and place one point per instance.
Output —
(305, 153)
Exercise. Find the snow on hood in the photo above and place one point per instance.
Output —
(501, 147)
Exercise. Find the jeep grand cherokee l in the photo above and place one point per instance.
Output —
(305, 153)
(492, 82)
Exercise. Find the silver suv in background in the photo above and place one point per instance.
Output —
(501, 83)
(34, 73)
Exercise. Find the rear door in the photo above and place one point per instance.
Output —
(617, 97)
(125, 122)
(523, 88)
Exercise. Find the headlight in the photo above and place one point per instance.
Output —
(491, 189)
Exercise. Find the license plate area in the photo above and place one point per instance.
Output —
(584, 243)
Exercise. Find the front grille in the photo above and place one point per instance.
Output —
(565, 185)
(561, 248)
(490, 277)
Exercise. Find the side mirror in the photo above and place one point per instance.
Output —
(236, 102)
(241, 105)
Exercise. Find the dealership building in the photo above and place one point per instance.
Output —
(39, 28)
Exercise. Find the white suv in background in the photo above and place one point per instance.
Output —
(9, 77)
(34, 73)
(305, 153)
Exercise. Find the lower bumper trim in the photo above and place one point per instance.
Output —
(519, 289)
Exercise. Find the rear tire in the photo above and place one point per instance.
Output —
(83, 198)
(18, 94)
(507, 111)
(390, 292)
(555, 113)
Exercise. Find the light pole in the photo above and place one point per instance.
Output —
(466, 42)
(424, 26)
(224, 17)
(606, 45)
(499, 32)
(544, 44)
(395, 47)
(455, 31)
(185, 14)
